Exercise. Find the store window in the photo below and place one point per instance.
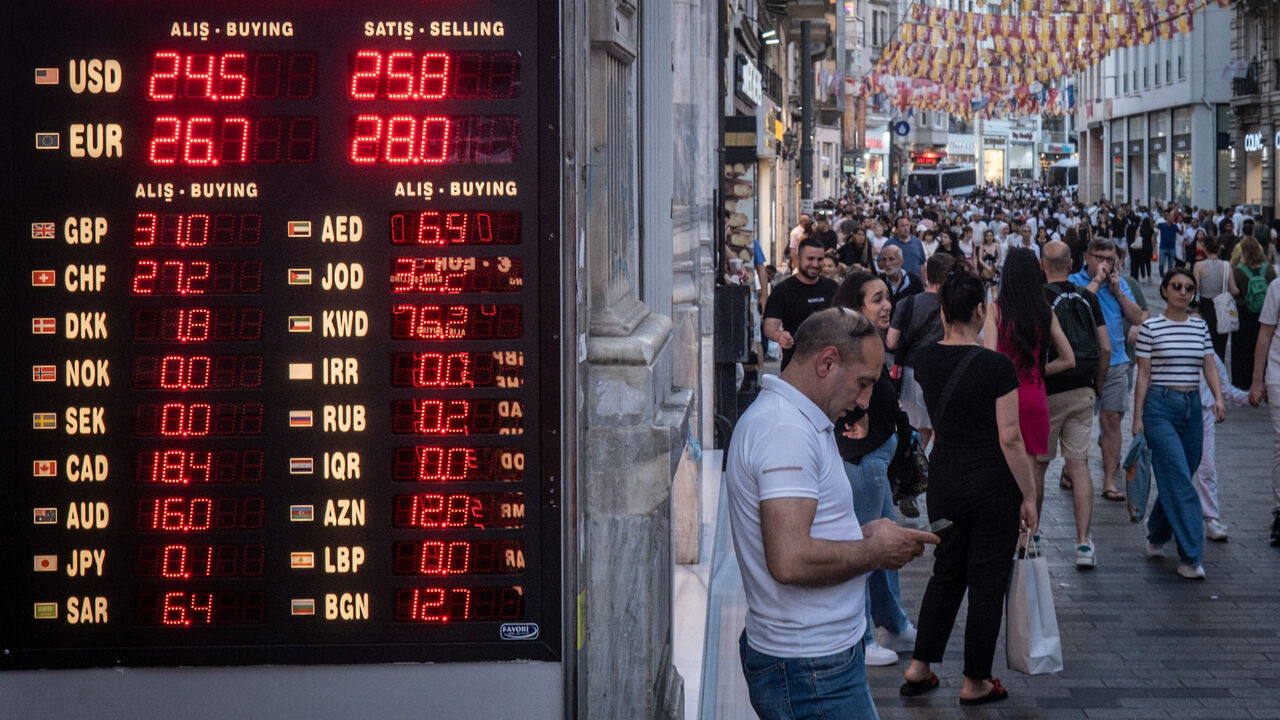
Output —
(1182, 177)
(1158, 157)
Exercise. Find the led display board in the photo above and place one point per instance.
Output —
(280, 341)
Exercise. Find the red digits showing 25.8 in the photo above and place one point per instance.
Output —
(404, 75)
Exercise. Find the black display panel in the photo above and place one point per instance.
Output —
(285, 277)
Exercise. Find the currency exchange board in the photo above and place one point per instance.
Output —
(280, 340)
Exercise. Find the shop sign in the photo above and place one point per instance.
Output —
(1060, 148)
(1023, 136)
(1182, 143)
(750, 81)
(1117, 149)
(1135, 147)
(960, 145)
(1253, 142)
(993, 142)
(1159, 145)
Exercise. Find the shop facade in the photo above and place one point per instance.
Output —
(1169, 155)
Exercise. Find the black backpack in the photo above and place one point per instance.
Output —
(1075, 315)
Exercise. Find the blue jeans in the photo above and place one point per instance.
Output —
(872, 499)
(1168, 259)
(1172, 426)
(833, 686)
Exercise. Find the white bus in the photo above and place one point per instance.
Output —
(1064, 173)
(943, 179)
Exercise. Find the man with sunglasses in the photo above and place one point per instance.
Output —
(1101, 278)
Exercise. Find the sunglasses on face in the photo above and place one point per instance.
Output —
(1182, 287)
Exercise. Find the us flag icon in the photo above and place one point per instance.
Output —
(47, 76)
(43, 278)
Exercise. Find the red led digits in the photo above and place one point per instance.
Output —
(456, 322)
(458, 557)
(194, 420)
(445, 605)
(181, 609)
(197, 230)
(194, 325)
(432, 463)
(187, 562)
(206, 141)
(436, 511)
(197, 277)
(186, 467)
(433, 139)
(197, 372)
(231, 76)
(198, 514)
(462, 227)
(455, 275)
(503, 369)
(405, 75)
(457, 417)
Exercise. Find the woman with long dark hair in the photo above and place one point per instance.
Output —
(867, 441)
(1022, 326)
(980, 478)
(1140, 253)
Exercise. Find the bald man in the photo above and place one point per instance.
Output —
(1072, 393)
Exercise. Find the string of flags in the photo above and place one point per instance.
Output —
(1000, 64)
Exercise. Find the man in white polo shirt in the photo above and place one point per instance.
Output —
(800, 547)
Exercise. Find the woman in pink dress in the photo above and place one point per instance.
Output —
(1017, 326)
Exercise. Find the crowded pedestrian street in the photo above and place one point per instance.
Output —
(1138, 641)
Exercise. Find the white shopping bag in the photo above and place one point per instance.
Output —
(1032, 644)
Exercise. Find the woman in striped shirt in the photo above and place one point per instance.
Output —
(1172, 350)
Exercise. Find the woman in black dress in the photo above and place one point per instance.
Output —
(981, 479)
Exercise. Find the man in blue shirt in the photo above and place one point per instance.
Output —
(913, 255)
(1099, 277)
(1169, 232)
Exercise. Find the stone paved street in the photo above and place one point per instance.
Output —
(1139, 641)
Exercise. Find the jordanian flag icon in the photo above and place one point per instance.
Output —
(299, 276)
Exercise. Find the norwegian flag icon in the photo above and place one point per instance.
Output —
(44, 373)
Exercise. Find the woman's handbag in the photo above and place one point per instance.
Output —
(1032, 643)
(909, 470)
(1137, 477)
(1224, 308)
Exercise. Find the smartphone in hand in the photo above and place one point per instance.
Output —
(938, 527)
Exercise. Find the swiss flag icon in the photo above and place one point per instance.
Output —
(43, 278)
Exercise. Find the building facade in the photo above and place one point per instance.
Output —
(1153, 120)
(1254, 116)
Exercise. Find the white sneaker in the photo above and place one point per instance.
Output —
(1085, 557)
(904, 641)
(878, 656)
(1154, 550)
(1191, 572)
(1215, 530)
